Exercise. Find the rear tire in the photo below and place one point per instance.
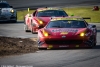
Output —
(93, 43)
(33, 31)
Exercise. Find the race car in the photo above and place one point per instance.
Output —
(40, 17)
(7, 13)
(67, 32)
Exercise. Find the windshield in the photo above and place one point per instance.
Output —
(4, 5)
(51, 13)
(66, 24)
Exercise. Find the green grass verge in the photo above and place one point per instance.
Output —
(77, 11)
(22, 13)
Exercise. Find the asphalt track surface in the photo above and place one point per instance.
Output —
(49, 58)
(15, 30)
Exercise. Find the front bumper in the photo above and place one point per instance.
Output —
(4, 18)
(52, 42)
(8, 17)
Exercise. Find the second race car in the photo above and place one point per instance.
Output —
(67, 32)
(40, 17)
(7, 12)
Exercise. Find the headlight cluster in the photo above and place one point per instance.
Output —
(82, 34)
(12, 11)
(41, 22)
(85, 33)
(45, 33)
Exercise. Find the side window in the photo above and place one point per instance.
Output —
(63, 13)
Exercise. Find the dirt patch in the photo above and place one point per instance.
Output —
(13, 46)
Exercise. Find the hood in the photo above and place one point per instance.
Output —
(66, 31)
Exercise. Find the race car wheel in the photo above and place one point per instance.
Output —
(93, 43)
(26, 28)
(33, 32)
(32, 28)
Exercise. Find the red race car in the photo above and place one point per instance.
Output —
(40, 17)
(67, 32)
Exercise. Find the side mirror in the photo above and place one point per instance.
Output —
(94, 26)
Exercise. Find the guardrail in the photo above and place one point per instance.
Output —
(25, 8)
(31, 7)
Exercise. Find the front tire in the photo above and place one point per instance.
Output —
(93, 42)
(26, 28)
(32, 28)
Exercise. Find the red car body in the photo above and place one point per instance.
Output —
(67, 36)
(40, 17)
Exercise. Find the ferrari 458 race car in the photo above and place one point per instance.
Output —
(7, 13)
(67, 32)
(40, 17)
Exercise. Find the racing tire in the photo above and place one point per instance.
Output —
(32, 29)
(33, 32)
(26, 28)
(93, 43)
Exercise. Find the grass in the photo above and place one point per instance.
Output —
(77, 11)
(22, 13)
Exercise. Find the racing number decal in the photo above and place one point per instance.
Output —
(64, 33)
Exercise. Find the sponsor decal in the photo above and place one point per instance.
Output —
(65, 30)
(55, 19)
(64, 33)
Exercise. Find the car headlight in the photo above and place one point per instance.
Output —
(45, 33)
(82, 34)
(12, 11)
(41, 22)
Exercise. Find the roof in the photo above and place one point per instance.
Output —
(48, 8)
(67, 18)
